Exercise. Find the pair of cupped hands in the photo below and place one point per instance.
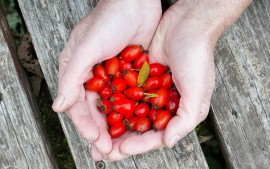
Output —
(180, 38)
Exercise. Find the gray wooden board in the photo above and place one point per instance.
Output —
(22, 143)
(241, 100)
(50, 23)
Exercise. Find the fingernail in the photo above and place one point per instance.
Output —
(58, 101)
(173, 141)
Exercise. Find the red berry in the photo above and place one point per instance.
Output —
(134, 93)
(161, 100)
(126, 106)
(124, 65)
(117, 130)
(142, 110)
(105, 92)
(115, 117)
(166, 80)
(100, 71)
(130, 53)
(131, 123)
(153, 114)
(95, 84)
(117, 96)
(152, 83)
(157, 69)
(117, 75)
(142, 125)
(112, 65)
(162, 120)
(173, 102)
(104, 106)
(118, 85)
(138, 62)
(130, 77)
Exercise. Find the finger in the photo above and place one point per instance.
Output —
(72, 78)
(96, 155)
(104, 141)
(207, 99)
(138, 144)
(116, 154)
(187, 115)
(85, 125)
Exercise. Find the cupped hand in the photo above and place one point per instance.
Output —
(186, 45)
(110, 27)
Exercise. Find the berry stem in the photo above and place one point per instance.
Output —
(136, 69)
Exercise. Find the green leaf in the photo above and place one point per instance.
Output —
(143, 74)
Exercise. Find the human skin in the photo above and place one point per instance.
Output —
(185, 40)
(110, 27)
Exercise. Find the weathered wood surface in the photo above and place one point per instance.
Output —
(22, 143)
(50, 23)
(241, 100)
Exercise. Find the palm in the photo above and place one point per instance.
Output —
(103, 34)
(190, 57)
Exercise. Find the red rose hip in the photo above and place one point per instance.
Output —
(173, 102)
(95, 84)
(157, 69)
(152, 83)
(104, 106)
(131, 123)
(100, 71)
(138, 62)
(117, 96)
(153, 114)
(117, 130)
(130, 77)
(126, 106)
(117, 75)
(166, 80)
(161, 100)
(162, 120)
(112, 65)
(124, 65)
(118, 85)
(105, 92)
(114, 117)
(134, 93)
(142, 125)
(130, 53)
(142, 110)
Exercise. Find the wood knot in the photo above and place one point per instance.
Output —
(234, 113)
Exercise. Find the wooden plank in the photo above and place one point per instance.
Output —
(241, 100)
(22, 142)
(56, 19)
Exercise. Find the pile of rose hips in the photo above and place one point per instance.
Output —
(134, 94)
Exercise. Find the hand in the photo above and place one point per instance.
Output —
(185, 41)
(111, 26)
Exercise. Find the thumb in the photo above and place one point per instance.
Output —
(74, 71)
(194, 107)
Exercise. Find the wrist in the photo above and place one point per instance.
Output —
(212, 17)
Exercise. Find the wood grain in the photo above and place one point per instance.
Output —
(50, 23)
(241, 100)
(22, 142)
